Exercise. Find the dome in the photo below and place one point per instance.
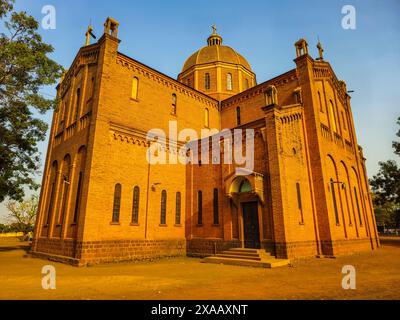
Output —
(215, 52)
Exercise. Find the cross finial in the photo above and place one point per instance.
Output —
(214, 27)
(320, 50)
(89, 33)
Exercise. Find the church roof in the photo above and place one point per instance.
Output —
(215, 52)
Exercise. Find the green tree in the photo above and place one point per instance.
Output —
(24, 68)
(22, 214)
(386, 188)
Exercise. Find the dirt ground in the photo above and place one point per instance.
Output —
(377, 277)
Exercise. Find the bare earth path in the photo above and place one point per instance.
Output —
(378, 277)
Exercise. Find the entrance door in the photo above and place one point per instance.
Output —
(250, 225)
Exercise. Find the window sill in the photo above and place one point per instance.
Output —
(301, 223)
(73, 224)
(178, 225)
(199, 225)
(163, 225)
(173, 114)
(337, 224)
(115, 223)
(135, 100)
(134, 224)
(215, 225)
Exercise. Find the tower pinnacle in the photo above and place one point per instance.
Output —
(214, 39)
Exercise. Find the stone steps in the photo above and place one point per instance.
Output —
(247, 257)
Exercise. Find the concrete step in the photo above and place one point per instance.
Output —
(270, 263)
(244, 254)
(245, 250)
(237, 256)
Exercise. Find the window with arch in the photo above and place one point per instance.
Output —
(77, 103)
(299, 204)
(117, 203)
(78, 197)
(174, 101)
(66, 169)
(215, 207)
(135, 205)
(321, 109)
(358, 206)
(199, 207)
(135, 87)
(333, 116)
(229, 85)
(206, 117)
(53, 186)
(271, 95)
(91, 87)
(335, 208)
(238, 120)
(344, 121)
(207, 81)
(80, 169)
(163, 216)
(178, 208)
(245, 186)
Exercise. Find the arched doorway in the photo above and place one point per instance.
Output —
(247, 202)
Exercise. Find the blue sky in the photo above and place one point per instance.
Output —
(162, 34)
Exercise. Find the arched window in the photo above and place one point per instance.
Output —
(245, 186)
(207, 81)
(333, 191)
(135, 87)
(174, 100)
(206, 118)
(215, 205)
(178, 209)
(199, 207)
(78, 197)
(271, 95)
(299, 202)
(135, 205)
(53, 186)
(77, 103)
(333, 116)
(344, 121)
(238, 122)
(163, 217)
(65, 187)
(357, 205)
(80, 170)
(117, 203)
(229, 85)
(321, 109)
(91, 88)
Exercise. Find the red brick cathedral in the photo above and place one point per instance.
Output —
(101, 200)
